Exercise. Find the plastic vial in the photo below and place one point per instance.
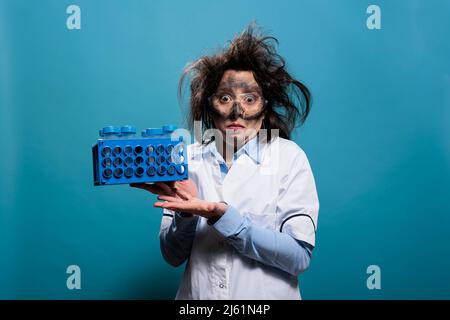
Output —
(151, 160)
(127, 150)
(107, 173)
(180, 169)
(138, 150)
(160, 159)
(128, 161)
(118, 172)
(151, 171)
(117, 162)
(149, 149)
(139, 171)
(117, 150)
(171, 170)
(106, 151)
(138, 161)
(129, 172)
(106, 162)
(161, 170)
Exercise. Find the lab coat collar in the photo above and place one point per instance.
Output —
(253, 148)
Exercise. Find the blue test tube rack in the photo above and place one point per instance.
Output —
(121, 157)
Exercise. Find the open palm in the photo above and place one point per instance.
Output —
(182, 196)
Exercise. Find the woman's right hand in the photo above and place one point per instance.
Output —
(183, 189)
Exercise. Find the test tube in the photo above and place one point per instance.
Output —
(138, 150)
(160, 149)
(171, 170)
(169, 149)
(107, 173)
(151, 160)
(128, 161)
(149, 150)
(151, 171)
(161, 170)
(106, 151)
(138, 161)
(117, 150)
(117, 162)
(118, 172)
(127, 150)
(180, 169)
(129, 172)
(106, 162)
(139, 171)
(160, 159)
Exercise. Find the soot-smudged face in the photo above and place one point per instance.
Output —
(237, 106)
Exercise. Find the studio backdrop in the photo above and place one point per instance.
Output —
(377, 139)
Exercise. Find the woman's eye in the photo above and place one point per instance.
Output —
(225, 99)
(249, 99)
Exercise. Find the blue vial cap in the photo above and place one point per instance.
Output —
(109, 130)
(169, 128)
(128, 130)
(152, 132)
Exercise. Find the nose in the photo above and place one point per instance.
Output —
(236, 111)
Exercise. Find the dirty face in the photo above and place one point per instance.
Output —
(237, 106)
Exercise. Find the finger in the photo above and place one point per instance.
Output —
(167, 190)
(153, 188)
(149, 187)
(159, 204)
(171, 184)
(183, 194)
(137, 185)
(169, 205)
(176, 206)
(169, 198)
(181, 206)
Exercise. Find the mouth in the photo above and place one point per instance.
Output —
(235, 126)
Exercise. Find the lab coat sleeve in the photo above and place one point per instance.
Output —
(176, 236)
(267, 246)
(298, 203)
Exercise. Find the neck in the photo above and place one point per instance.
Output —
(228, 152)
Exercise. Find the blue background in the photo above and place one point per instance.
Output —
(377, 139)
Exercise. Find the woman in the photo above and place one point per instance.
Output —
(246, 219)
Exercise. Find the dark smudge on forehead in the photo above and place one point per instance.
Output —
(232, 83)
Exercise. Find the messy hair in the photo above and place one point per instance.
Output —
(288, 101)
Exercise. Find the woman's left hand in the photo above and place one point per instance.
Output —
(207, 209)
(181, 196)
